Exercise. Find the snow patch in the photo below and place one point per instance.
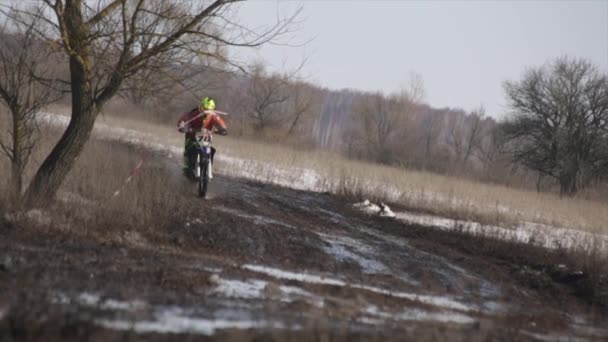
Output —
(343, 249)
(259, 289)
(175, 322)
(420, 315)
(94, 300)
(527, 232)
(439, 301)
(302, 277)
(239, 289)
(538, 234)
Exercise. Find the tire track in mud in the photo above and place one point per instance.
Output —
(351, 240)
(359, 255)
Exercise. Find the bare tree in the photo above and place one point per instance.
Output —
(559, 126)
(22, 91)
(267, 95)
(413, 91)
(428, 134)
(465, 135)
(108, 42)
(301, 105)
(382, 122)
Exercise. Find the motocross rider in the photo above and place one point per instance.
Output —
(194, 121)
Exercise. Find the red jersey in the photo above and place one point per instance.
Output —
(196, 120)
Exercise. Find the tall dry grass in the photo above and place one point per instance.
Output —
(146, 208)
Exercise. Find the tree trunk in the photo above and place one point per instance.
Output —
(567, 185)
(60, 161)
(62, 158)
(17, 157)
(16, 182)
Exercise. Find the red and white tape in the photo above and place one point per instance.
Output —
(134, 171)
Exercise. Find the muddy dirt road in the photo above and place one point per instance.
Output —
(260, 261)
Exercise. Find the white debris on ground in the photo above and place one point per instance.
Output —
(368, 207)
(372, 209)
(385, 211)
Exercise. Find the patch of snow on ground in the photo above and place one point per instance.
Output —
(94, 300)
(302, 277)
(255, 289)
(440, 301)
(420, 315)
(176, 322)
(537, 234)
(343, 248)
(291, 177)
(239, 289)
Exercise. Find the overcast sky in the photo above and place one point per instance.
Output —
(464, 50)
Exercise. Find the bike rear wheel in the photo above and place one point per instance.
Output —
(203, 179)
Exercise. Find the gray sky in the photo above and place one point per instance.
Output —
(464, 50)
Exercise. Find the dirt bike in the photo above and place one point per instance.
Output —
(203, 167)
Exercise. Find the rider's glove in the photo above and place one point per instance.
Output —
(181, 126)
(221, 131)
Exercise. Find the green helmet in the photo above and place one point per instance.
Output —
(208, 103)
